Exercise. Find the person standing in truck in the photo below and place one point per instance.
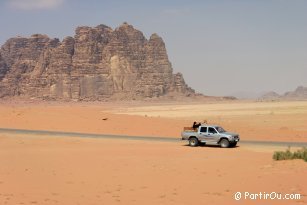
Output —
(195, 125)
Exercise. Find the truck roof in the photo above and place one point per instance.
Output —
(208, 125)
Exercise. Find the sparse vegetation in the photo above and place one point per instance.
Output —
(286, 155)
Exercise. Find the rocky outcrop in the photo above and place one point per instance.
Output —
(96, 64)
(3, 68)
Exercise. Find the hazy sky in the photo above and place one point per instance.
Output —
(221, 46)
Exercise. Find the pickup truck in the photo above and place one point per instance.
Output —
(210, 135)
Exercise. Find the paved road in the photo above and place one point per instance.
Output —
(142, 138)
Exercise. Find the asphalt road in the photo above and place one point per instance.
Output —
(142, 138)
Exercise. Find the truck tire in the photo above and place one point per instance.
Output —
(224, 143)
(193, 142)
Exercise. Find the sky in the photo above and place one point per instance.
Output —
(222, 47)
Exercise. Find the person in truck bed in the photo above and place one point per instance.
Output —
(196, 125)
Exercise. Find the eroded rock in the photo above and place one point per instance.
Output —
(98, 63)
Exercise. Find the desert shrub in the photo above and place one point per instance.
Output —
(286, 155)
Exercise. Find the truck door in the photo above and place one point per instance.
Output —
(211, 135)
(202, 134)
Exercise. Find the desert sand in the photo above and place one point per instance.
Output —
(270, 121)
(65, 170)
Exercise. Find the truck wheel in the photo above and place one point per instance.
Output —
(224, 143)
(193, 141)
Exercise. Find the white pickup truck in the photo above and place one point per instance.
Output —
(210, 135)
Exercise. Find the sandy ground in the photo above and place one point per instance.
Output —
(71, 171)
(63, 170)
(272, 121)
(86, 118)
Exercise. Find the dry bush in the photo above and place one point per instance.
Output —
(286, 155)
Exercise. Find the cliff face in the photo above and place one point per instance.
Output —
(96, 64)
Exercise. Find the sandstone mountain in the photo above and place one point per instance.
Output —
(300, 93)
(96, 64)
(270, 96)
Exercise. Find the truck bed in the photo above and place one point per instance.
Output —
(187, 129)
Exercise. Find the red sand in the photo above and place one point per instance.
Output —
(70, 171)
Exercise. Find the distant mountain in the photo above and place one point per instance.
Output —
(300, 93)
(270, 96)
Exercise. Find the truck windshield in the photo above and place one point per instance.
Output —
(220, 129)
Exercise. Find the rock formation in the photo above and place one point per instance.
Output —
(300, 93)
(270, 96)
(96, 64)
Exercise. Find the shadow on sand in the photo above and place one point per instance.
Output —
(210, 146)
